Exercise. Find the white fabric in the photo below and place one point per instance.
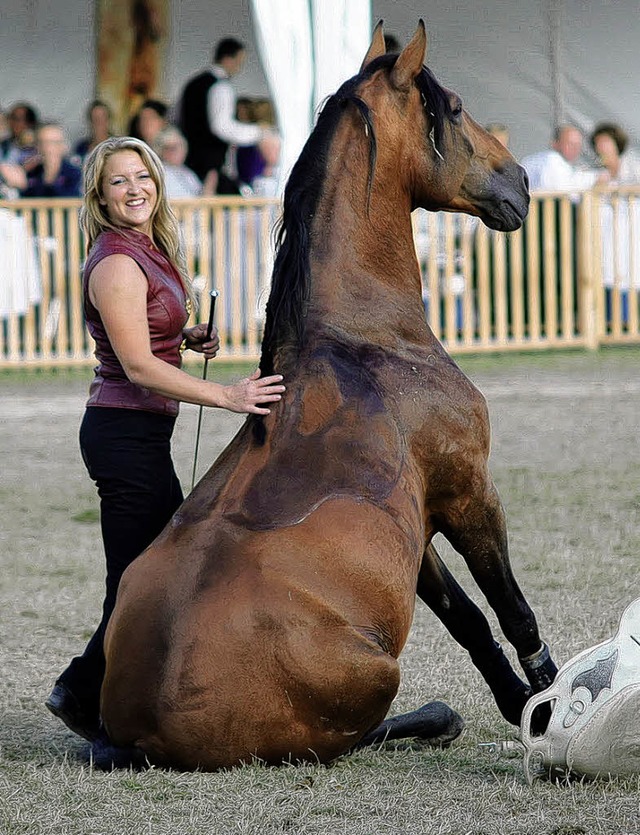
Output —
(20, 286)
(550, 171)
(341, 36)
(283, 37)
(221, 108)
(308, 49)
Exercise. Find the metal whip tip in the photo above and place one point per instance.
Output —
(214, 294)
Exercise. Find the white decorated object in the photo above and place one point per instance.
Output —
(594, 730)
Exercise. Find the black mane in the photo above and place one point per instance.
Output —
(286, 308)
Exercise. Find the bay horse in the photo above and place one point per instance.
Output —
(267, 618)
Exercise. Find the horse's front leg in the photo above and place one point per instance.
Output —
(476, 528)
(439, 589)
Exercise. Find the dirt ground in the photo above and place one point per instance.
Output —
(565, 459)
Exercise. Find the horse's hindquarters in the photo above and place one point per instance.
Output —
(284, 658)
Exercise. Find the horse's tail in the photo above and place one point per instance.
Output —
(106, 756)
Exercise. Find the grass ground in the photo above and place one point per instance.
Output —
(565, 441)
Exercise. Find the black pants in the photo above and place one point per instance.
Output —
(128, 454)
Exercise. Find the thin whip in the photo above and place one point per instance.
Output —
(213, 296)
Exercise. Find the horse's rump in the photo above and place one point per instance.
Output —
(311, 642)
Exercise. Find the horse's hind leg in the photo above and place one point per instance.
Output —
(435, 723)
(478, 532)
(469, 627)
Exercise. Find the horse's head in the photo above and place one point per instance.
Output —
(446, 159)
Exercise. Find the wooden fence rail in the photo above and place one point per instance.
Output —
(569, 278)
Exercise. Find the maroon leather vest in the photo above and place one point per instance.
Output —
(166, 314)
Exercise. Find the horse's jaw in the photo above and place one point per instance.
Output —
(499, 198)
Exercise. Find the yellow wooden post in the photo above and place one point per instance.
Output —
(588, 210)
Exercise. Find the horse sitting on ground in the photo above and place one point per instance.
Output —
(267, 619)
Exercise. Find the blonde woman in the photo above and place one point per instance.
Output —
(136, 293)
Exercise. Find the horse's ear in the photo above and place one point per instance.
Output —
(377, 47)
(410, 60)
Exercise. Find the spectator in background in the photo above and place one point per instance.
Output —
(207, 117)
(558, 169)
(180, 181)
(149, 120)
(98, 117)
(620, 249)
(19, 147)
(610, 143)
(391, 43)
(257, 164)
(500, 131)
(54, 175)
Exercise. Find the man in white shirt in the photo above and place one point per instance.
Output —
(556, 169)
(208, 117)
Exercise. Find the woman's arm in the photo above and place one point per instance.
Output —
(118, 290)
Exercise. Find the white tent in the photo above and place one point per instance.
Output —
(524, 63)
(308, 48)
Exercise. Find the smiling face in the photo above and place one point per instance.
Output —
(129, 192)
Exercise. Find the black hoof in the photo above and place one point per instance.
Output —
(106, 757)
(435, 723)
(512, 704)
(63, 704)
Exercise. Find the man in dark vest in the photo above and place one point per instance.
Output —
(208, 117)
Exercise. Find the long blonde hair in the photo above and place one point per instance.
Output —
(93, 215)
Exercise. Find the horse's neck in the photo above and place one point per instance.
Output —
(365, 278)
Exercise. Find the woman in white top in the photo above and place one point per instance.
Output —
(619, 215)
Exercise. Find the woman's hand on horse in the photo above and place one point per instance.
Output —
(196, 340)
(250, 394)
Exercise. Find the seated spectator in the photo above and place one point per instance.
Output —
(149, 120)
(180, 181)
(98, 117)
(610, 142)
(244, 109)
(54, 175)
(19, 146)
(558, 169)
(257, 164)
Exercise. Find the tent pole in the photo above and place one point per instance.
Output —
(555, 50)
